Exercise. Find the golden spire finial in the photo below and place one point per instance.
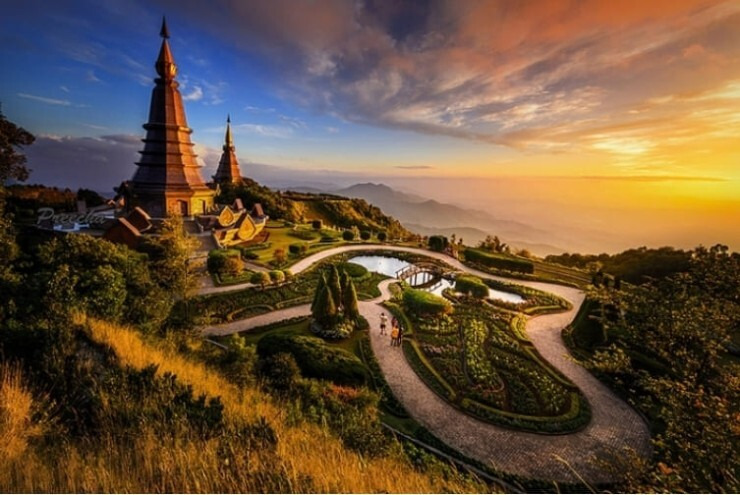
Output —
(164, 32)
(228, 142)
(165, 65)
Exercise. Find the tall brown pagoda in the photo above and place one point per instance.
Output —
(168, 178)
(228, 168)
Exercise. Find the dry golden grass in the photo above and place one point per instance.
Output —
(16, 408)
(306, 459)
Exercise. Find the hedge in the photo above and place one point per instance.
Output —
(420, 302)
(353, 269)
(438, 243)
(316, 358)
(499, 261)
(224, 261)
(468, 284)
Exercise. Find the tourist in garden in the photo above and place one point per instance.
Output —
(383, 323)
(400, 336)
(394, 335)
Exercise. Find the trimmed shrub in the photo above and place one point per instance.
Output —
(382, 236)
(277, 276)
(316, 358)
(473, 286)
(365, 235)
(348, 235)
(420, 303)
(224, 262)
(297, 248)
(260, 278)
(317, 224)
(498, 261)
(250, 255)
(438, 243)
(353, 269)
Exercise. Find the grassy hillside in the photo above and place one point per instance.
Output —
(333, 210)
(261, 444)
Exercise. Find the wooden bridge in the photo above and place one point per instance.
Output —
(410, 271)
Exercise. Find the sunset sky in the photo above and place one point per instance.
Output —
(631, 108)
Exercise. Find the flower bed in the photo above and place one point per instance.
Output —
(480, 360)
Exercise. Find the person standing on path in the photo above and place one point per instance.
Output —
(399, 339)
(383, 323)
(394, 335)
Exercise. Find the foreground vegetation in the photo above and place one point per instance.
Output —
(669, 347)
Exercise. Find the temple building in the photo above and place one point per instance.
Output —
(231, 225)
(228, 168)
(168, 178)
(167, 181)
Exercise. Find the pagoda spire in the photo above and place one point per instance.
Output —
(227, 140)
(165, 65)
(164, 32)
(167, 179)
(228, 168)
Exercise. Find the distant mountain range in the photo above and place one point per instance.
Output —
(427, 216)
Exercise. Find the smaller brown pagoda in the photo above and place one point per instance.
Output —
(228, 168)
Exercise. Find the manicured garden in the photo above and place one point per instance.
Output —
(230, 306)
(479, 359)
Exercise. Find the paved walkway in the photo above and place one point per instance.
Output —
(614, 425)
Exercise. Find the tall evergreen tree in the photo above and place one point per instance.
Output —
(319, 286)
(334, 285)
(325, 309)
(349, 300)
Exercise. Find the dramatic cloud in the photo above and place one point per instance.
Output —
(502, 72)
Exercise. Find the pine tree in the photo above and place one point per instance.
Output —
(320, 285)
(344, 282)
(325, 309)
(335, 285)
(349, 301)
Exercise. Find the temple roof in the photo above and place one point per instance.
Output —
(228, 168)
(167, 162)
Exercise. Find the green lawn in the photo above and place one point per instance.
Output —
(281, 237)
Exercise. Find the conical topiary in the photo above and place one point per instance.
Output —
(349, 301)
(334, 285)
(320, 285)
(325, 310)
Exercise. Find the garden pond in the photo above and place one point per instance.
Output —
(390, 266)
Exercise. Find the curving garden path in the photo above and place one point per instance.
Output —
(614, 426)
